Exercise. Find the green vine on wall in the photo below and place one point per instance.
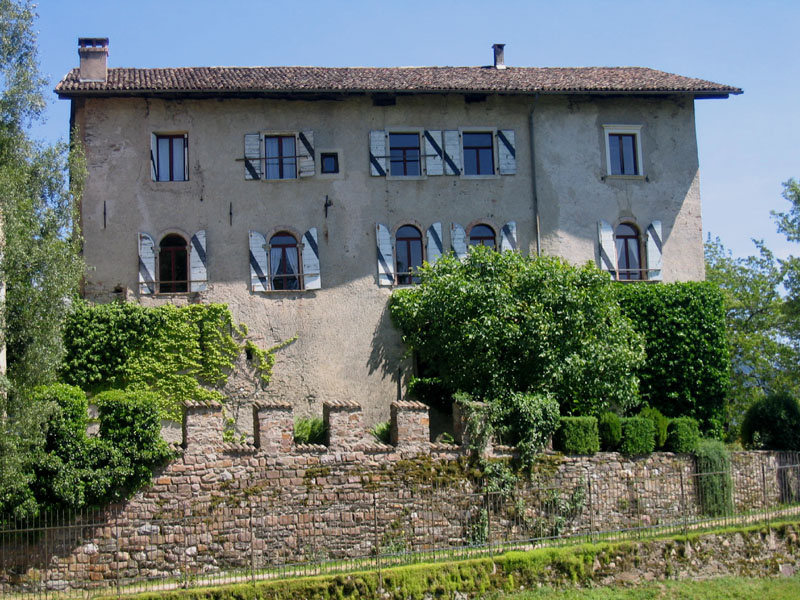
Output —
(264, 360)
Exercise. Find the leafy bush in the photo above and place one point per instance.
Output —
(686, 372)
(638, 436)
(526, 421)
(309, 430)
(714, 485)
(609, 427)
(772, 423)
(382, 432)
(683, 435)
(577, 435)
(660, 422)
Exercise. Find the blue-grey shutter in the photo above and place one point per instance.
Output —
(508, 236)
(458, 241)
(608, 250)
(435, 246)
(377, 153)
(654, 251)
(305, 154)
(153, 157)
(311, 275)
(452, 152)
(259, 271)
(198, 265)
(147, 264)
(252, 156)
(506, 152)
(434, 153)
(385, 255)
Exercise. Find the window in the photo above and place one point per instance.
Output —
(404, 155)
(173, 265)
(284, 263)
(623, 150)
(280, 157)
(330, 162)
(408, 248)
(478, 154)
(482, 235)
(169, 157)
(629, 253)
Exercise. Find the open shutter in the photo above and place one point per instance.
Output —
(508, 237)
(153, 156)
(434, 153)
(252, 156)
(506, 152)
(147, 264)
(435, 247)
(305, 153)
(311, 276)
(654, 251)
(608, 252)
(198, 264)
(385, 255)
(259, 272)
(458, 240)
(452, 152)
(377, 153)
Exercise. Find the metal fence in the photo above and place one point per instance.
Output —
(120, 550)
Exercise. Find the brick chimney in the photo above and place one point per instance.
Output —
(94, 59)
(499, 59)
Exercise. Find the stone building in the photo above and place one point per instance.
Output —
(302, 196)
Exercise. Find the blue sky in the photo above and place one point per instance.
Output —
(748, 144)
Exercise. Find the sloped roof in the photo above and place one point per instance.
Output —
(349, 80)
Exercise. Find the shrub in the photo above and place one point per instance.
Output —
(714, 485)
(577, 435)
(610, 429)
(772, 423)
(660, 422)
(382, 432)
(309, 430)
(683, 435)
(638, 436)
(526, 421)
(67, 416)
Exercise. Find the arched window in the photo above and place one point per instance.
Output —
(173, 265)
(284, 263)
(482, 235)
(408, 250)
(629, 252)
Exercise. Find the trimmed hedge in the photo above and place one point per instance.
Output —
(638, 436)
(660, 422)
(683, 435)
(714, 485)
(610, 429)
(772, 423)
(577, 435)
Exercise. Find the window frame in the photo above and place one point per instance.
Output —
(482, 224)
(326, 154)
(624, 130)
(409, 275)
(173, 251)
(280, 158)
(492, 133)
(298, 247)
(156, 137)
(640, 274)
(416, 131)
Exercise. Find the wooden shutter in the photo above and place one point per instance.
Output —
(377, 153)
(147, 264)
(608, 251)
(452, 152)
(311, 275)
(458, 241)
(508, 237)
(154, 157)
(385, 255)
(506, 152)
(305, 154)
(252, 156)
(198, 264)
(435, 246)
(434, 153)
(259, 271)
(654, 251)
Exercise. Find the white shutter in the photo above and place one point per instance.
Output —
(435, 247)
(305, 153)
(458, 241)
(311, 275)
(385, 255)
(434, 153)
(147, 264)
(198, 264)
(506, 152)
(252, 156)
(654, 251)
(153, 157)
(608, 251)
(452, 152)
(377, 153)
(186, 157)
(508, 237)
(259, 272)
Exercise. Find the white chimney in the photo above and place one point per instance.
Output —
(94, 59)
(499, 59)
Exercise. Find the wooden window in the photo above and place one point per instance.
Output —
(329, 162)
(171, 158)
(408, 250)
(173, 265)
(284, 263)
(404, 155)
(482, 235)
(629, 253)
(280, 157)
(623, 150)
(478, 154)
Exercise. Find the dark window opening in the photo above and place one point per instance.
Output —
(170, 157)
(482, 235)
(478, 154)
(330, 162)
(404, 157)
(173, 265)
(622, 154)
(280, 157)
(284, 263)
(629, 254)
(408, 242)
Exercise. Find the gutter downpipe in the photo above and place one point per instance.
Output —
(533, 180)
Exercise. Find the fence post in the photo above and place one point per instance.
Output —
(683, 504)
(764, 488)
(377, 543)
(252, 546)
(115, 512)
(591, 508)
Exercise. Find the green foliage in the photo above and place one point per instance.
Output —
(772, 423)
(309, 430)
(714, 485)
(526, 421)
(660, 422)
(638, 436)
(609, 427)
(264, 360)
(577, 435)
(683, 435)
(382, 432)
(686, 371)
